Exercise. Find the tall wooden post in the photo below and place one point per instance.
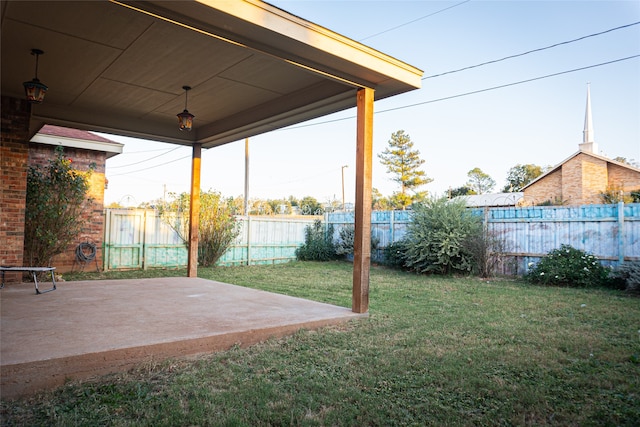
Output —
(246, 177)
(194, 211)
(362, 238)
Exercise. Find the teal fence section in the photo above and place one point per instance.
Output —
(525, 234)
(140, 239)
(267, 240)
(386, 227)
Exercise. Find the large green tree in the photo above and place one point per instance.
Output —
(461, 191)
(520, 175)
(403, 162)
(479, 181)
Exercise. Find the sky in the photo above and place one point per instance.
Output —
(457, 121)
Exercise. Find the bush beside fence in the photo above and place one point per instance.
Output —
(525, 234)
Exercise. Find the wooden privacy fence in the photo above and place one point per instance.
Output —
(524, 234)
(267, 240)
(139, 239)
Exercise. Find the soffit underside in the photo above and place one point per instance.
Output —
(113, 69)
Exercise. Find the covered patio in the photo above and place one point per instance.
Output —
(120, 67)
(85, 329)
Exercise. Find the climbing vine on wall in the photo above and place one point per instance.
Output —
(56, 199)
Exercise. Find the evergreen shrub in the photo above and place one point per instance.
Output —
(568, 266)
(438, 238)
(394, 254)
(346, 237)
(318, 245)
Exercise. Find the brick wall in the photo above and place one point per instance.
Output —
(572, 181)
(93, 212)
(15, 114)
(623, 178)
(581, 180)
(547, 189)
(594, 179)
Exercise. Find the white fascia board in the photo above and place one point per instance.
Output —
(111, 148)
(318, 37)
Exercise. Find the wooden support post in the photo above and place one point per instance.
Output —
(362, 238)
(194, 211)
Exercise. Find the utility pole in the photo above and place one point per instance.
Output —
(345, 166)
(246, 176)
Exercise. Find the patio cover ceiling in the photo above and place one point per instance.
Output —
(119, 67)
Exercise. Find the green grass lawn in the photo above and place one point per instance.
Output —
(434, 351)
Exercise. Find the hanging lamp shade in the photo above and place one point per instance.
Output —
(34, 89)
(185, 119)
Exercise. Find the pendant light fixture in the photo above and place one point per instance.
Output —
(34, 89)
(185, 119)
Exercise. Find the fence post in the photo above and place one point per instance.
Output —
(106, 242)
(143, 249)
(248, 240)
(620, 232)
(392, 226)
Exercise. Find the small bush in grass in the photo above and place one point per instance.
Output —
(346, 236)
(568, 266)
(627, 276)
(318, 245)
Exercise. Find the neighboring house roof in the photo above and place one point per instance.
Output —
(76, 138)
(492, 200)
(587, 153)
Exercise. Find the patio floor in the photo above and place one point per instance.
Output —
(90, 328)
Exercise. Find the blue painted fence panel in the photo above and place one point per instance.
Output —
(525, 234)
(267, 240)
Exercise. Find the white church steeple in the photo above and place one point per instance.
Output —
(588, 144)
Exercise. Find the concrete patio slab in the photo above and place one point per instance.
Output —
(90, 328)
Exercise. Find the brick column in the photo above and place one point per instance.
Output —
(14, 154)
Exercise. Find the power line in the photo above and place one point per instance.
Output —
(415, 20)
(152, 167)
(512, 84)
(469, 93)
(423, 103)
(531, 51)
(146, 151)
(145, 160)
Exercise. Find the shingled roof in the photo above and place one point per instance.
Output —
(76, 138)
